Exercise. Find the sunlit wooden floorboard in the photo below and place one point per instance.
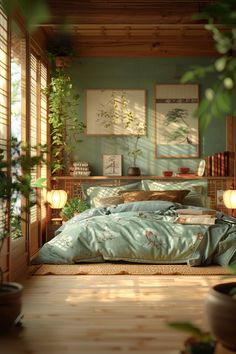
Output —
(107, 314)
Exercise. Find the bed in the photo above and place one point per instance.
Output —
(139, 223)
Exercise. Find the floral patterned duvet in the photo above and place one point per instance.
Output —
(141, 232)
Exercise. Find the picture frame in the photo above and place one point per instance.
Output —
(176, 128)
(112, 165)
(115, 112)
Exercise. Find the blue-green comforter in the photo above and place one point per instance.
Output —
(143, 232)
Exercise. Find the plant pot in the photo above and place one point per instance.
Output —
(134, 171)
(10, 304)
(200, 348)
(62, 61)
(221, 314)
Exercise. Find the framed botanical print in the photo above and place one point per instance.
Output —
(115, 112)
(176, 128)
(112, 165)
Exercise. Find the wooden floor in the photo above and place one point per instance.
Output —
(107, 314)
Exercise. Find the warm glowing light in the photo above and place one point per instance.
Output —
(229, 198)
(57, 198)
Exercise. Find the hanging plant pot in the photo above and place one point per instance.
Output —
(134, 171)
(62, 61)
(10, 304)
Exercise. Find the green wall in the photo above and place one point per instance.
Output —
(138, 73)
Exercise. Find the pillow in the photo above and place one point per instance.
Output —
(196, 197)
(92, 193)
(109, 201)
(168, 195)
(145, 205)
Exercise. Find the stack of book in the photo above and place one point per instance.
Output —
(196, 216)
(219, 164)
(80, 169)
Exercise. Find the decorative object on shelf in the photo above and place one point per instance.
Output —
(167, 173)
(133, 171)
(184, 170)
(201, 168)
(112, 165)
(176, 129)
(80, 169)
(72, 207)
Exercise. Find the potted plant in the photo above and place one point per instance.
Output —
(63, 119)
(117, 112)
(60, 49)
(221, 312)
(73, 206)
(15, 179)
(199, 342)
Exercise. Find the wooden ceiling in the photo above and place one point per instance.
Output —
(161, 28)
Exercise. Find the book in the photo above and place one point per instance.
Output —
(190, 211)
(196, 219)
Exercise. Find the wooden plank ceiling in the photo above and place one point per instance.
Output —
(161, 28)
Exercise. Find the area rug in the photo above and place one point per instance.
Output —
(128, 269)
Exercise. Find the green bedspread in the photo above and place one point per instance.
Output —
(143, 232)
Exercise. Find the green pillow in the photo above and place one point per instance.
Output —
(93, 193)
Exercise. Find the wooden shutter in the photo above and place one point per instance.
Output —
(38, 134)
(4, 123)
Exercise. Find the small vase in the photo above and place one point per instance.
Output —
(134, 171)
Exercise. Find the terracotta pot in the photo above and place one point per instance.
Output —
(62, 61)
(134, 171)
(221, 314)
(10, 304)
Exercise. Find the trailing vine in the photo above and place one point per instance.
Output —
(63, 118)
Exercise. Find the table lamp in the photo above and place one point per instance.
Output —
(56, 199)
(229, 198)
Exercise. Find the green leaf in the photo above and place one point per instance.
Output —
(39, 183)
(187, 327)
(204, 121)
(223, 102)
(188, 76)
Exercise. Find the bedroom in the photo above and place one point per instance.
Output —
(110, 54)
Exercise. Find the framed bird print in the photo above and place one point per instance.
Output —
(176, 127)
(112, 165)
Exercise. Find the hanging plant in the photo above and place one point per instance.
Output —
(63, 119)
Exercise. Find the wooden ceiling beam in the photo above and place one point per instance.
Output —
(131, 27)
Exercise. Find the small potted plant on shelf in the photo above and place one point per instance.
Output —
(15, 179)
(73, 206)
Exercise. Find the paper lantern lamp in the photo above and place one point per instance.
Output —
(229, 198)
(57, 198)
